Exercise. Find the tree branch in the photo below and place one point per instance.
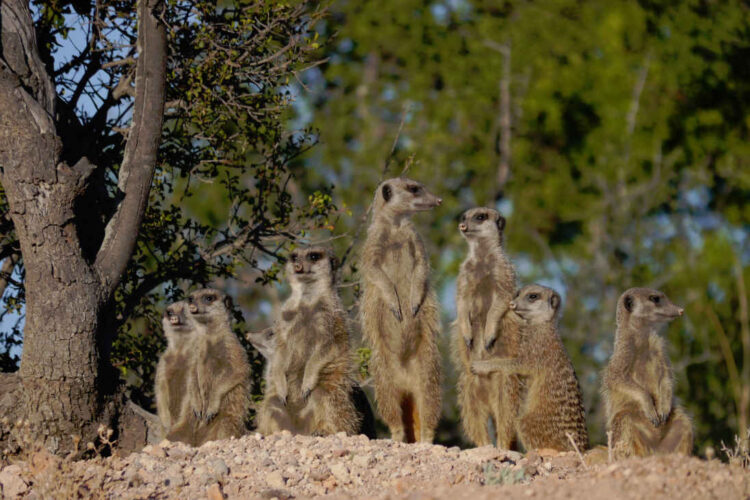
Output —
(139, 160)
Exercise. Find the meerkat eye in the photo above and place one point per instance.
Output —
(533, 296)
(655, 299)
(208, 299)
(480, 217)
(314, 257)
(170, 313)
(413, 189)
(294, 257)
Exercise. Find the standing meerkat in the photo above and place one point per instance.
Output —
(484, 288)
(309, 386)
(222, 372)
(265, 342)
(173, 374)
(638, 381)
(399, 312)
(552, 406)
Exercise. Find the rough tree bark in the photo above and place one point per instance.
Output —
(63, 382)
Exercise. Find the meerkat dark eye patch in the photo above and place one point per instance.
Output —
(413, 189)
(500, 222)
(294, 257)
(628, 303)
(315, 256)
(480, 217)
(554, 301)
(655, 299)
(387, 192)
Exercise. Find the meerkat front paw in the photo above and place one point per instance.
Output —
(490, 343)
(652, 415)
(396, 310)
(469, 341)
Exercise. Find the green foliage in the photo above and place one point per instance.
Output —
(629, 160)
(363, 362)
(502, 475)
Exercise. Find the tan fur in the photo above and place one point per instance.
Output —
(485, 286)
(638, 381)
(173, 374)
(222, 372)
(309, 384)
(265, 342)
(399, 313)
(552, 406)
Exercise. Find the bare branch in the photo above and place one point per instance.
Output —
(139, 160)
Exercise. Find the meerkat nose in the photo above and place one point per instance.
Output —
(439, 201)
(680, 311)
(462, 227)
(512, 305)
(297, 268)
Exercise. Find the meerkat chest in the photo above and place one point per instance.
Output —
(399, 251)
(650, 368)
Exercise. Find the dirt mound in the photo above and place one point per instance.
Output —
(286, 466)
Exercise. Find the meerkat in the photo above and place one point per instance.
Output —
(485, 286)
(265, 342)
(173, 374)
(221, 390)
(638, 381)
(309, 387)
(399, 313)
(551, 408)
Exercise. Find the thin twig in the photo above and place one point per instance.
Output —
(578, 452)
(609, 446)
(388, 159)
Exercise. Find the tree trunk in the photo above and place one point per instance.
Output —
(65, 385)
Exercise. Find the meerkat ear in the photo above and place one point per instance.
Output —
(554, 301)
(387, 192)
(500, 222)
(628, 302)
(228, 302)
(334, 262)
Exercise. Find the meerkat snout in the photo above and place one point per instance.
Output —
(174, 319)
(463, 227)
(512, 305)
(298, 268)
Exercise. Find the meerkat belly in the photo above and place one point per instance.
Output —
(399, 266)
(647, 373)
(482, 293)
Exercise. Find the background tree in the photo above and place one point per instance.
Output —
(628, 161)
(80, 130)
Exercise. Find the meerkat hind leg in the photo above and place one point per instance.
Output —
(631, 434)
(679, 434)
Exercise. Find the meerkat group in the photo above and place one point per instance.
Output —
(514, 375)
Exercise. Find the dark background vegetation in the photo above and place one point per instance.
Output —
(614, 136)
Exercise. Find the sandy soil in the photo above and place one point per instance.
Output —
(285, 466)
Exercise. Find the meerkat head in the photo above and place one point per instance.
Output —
(176, 323)
(536, 304)
(264, 341)
(209, 305)
(645, 307)
(481, 223)
(311, 265)
(402, 196)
